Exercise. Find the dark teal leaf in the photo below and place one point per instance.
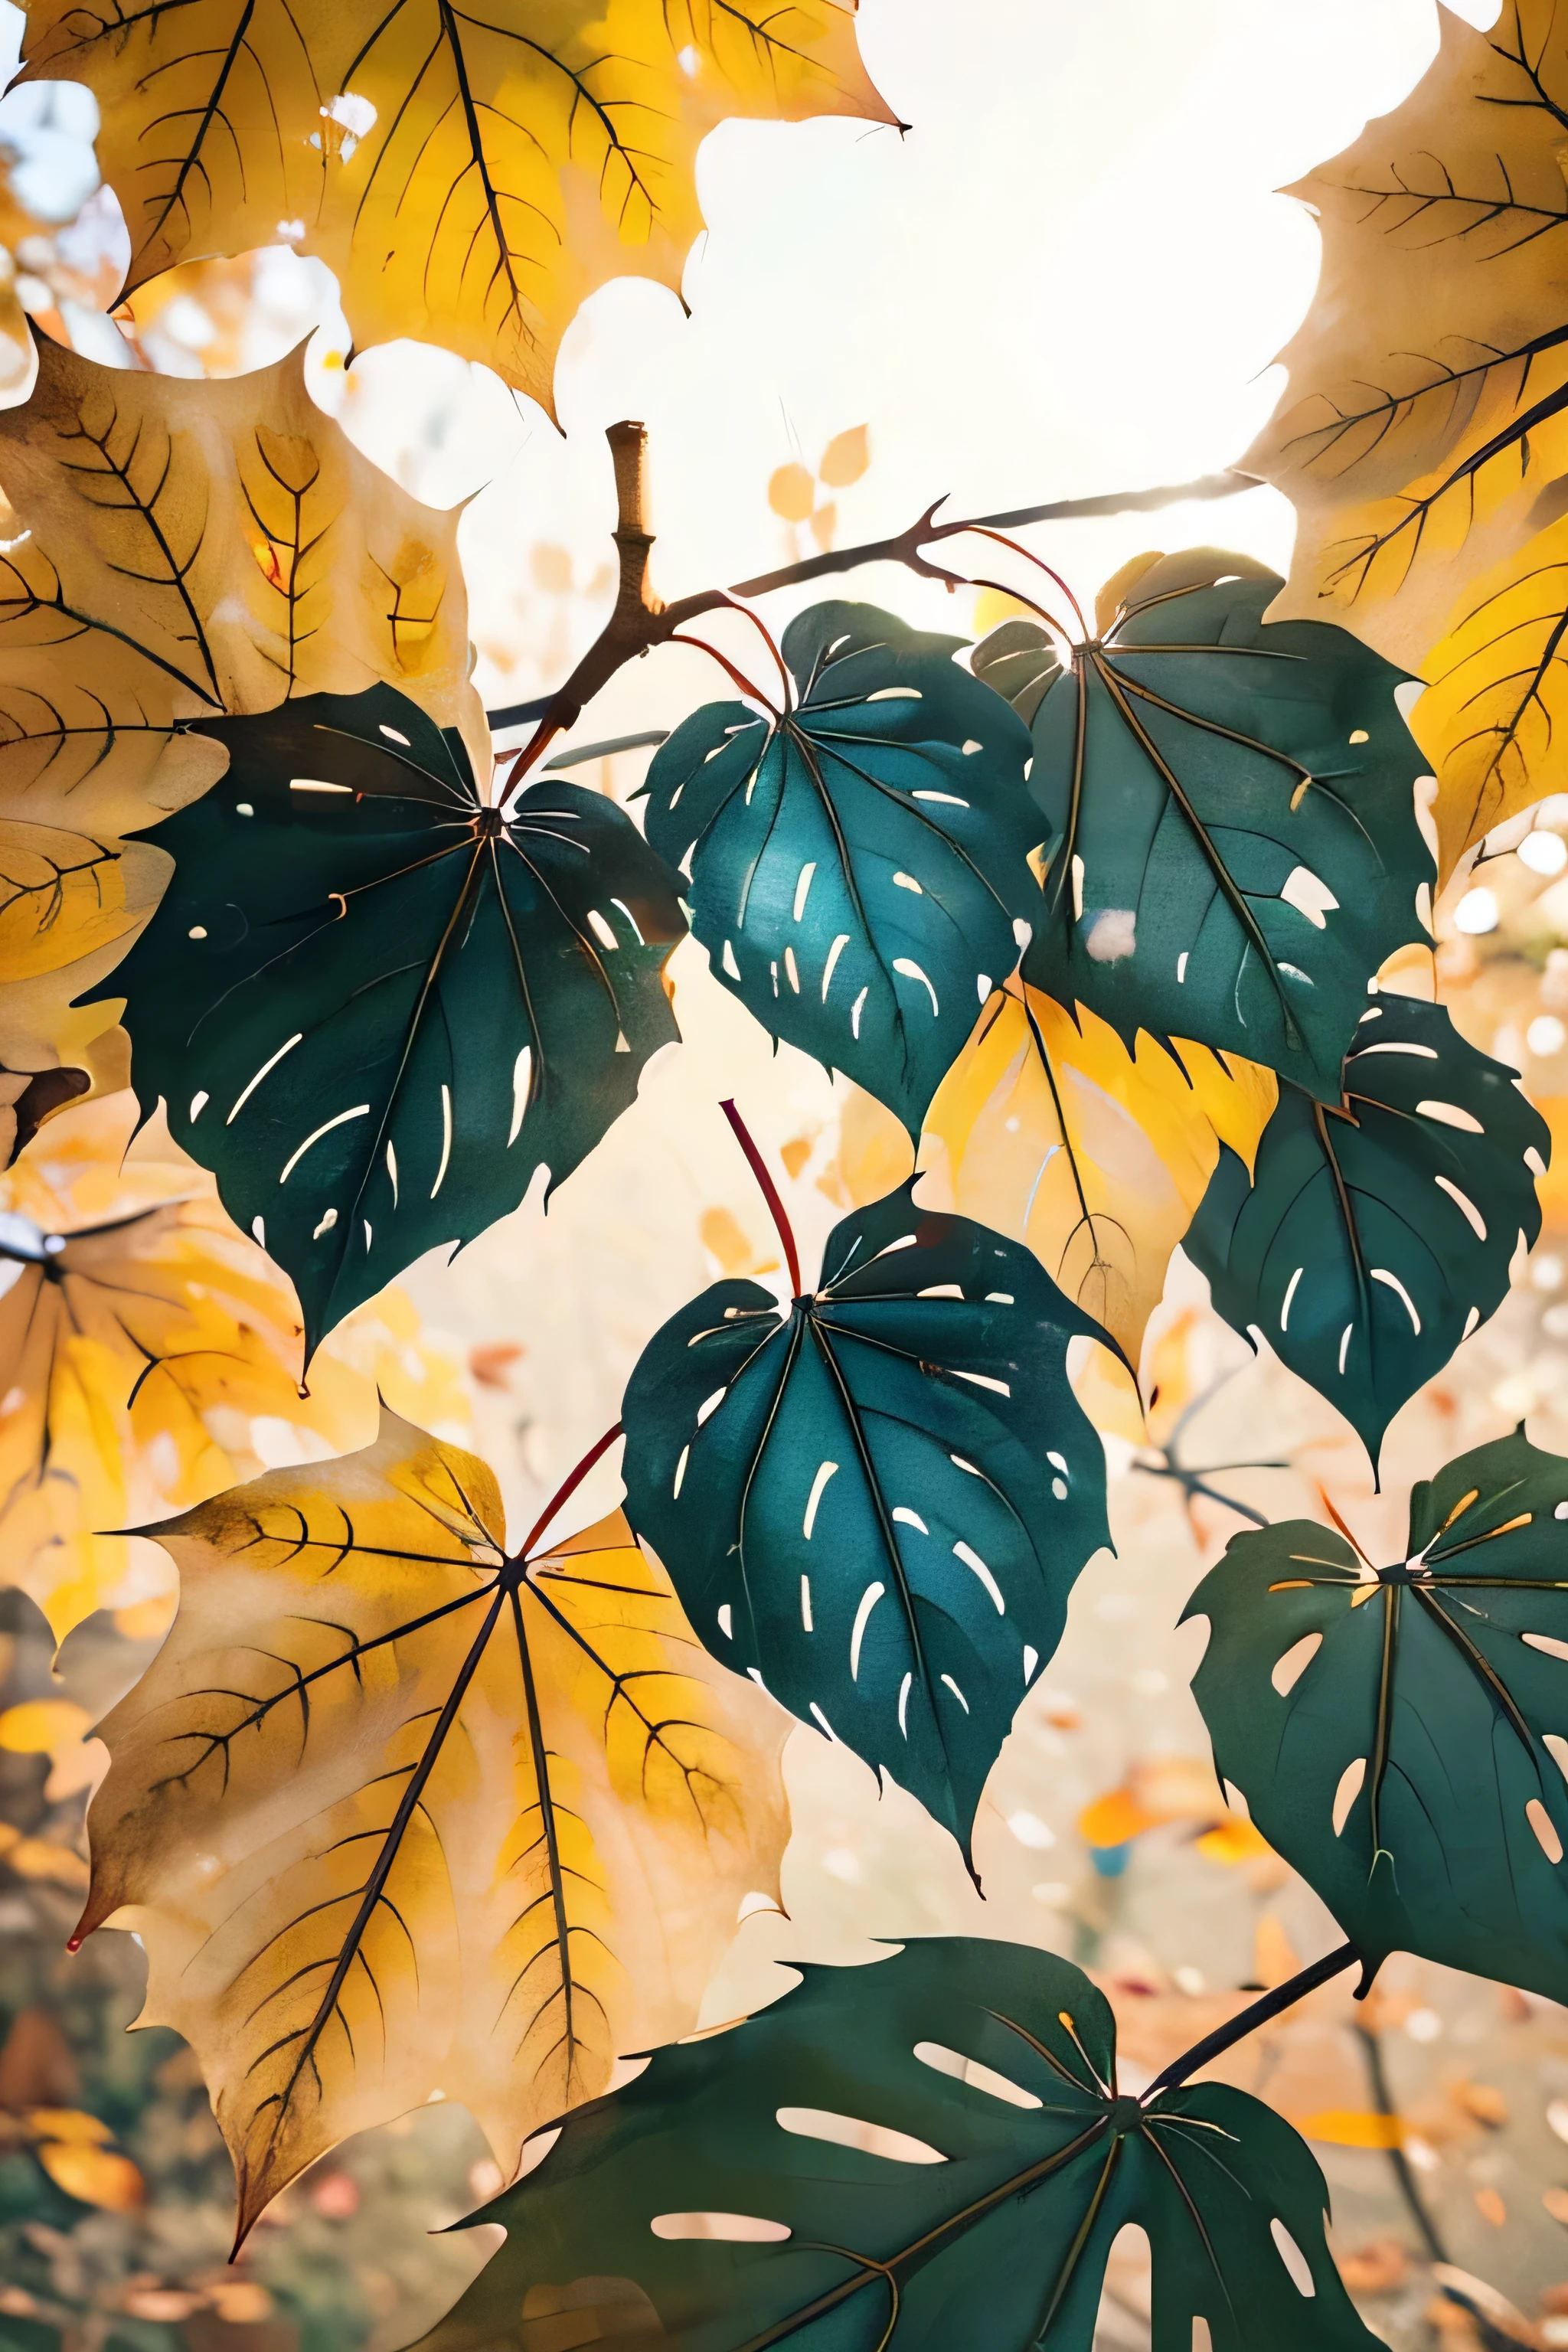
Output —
(1233, 848)
(1425, 1712)
(858, 865)
(1369, 1244)
(876, 1502)
(372, 1008)
(999, 2247)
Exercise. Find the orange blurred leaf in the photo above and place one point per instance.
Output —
(95, 2176)
(1352, 2127)
(792, 493)
(1112, 1820)
(845, 457)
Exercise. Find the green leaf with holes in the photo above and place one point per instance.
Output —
(373, 1008)
(913, 2157)
(1234, 845)
(1402, 1739)
(878, 1499)
(859, 861)
(1371, 1241)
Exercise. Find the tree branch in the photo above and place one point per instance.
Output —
(639, 621)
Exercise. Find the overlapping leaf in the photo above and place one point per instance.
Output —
(68, 905)
(878, 1499)
(1371, 1243)
(1426, 393)
(1049, 1131)
(174, 550)
(469, 177)
(1400, 1737)
(395, 1814)
(373, 1006)
(1234, 846)
(859, 863)
(134, 1324)
(733, 2196)
(1426, 419)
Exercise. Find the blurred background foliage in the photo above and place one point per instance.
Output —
(1439, 2109)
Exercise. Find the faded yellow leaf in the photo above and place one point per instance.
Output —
(1049, 1131)
(792, 493)
(95, 2176)
(845, 457)
(175, 548)
(1425, 426)
(470, 177)
(874, 1156)
(40, 1726)
(1493, 714)
(69, 2124)
(149, 1354)
(394, 1815)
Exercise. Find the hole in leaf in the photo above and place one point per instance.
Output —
(735, 2229)
(1347, 1792)
(1294, 2259)
(944, 2060)
(1545, 1828)
(1558, 1748)
(1290, 1668)
(854, 2131)
(1553, 1649)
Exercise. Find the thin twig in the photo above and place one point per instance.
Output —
(1246, 2021)
(1396, 2156)
(568, 1488)
(770, 1192)
(639, 621)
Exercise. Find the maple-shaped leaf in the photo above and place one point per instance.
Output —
(1049, 1129)
(879, 1497)
(175, 550)
(1233, 850)
(912, 2157)
(395, 1813)
(1426, 423)
(373, 1004)
(470, 177)
(134, 1322)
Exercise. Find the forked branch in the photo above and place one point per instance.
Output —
(639, 621)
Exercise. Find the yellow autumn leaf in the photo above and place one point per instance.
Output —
(470, 177)
(40, 1726)
(395, 1814)
(1427, 407)
(173, 549)
(1049, 1131)
(94, 2176)
(148, 1352)
(68, 2124)
(1492, 717)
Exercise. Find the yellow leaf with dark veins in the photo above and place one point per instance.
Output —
(470, 175)
(1049, 1131)
(395, 1815)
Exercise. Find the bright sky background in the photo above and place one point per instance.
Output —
(1071, 276)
